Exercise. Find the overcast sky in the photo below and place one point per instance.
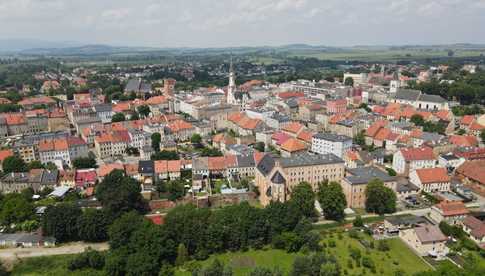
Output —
(220, 23)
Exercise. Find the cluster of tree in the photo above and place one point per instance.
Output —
(88, 259)
(210, 152)
(316, 264)
(16, 208)
(379, 198)
(467, 88)
(467, 110)
(67, 222)
(85, 162)
(196, 139)
(173, 189)
(428, 126)
(5, 108)
(118, 117)
(138, 247)
(473, 266)
(16, 164)
(117, 193)
(156, 139)
(165, 155)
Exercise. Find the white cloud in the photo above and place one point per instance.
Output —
(245, 22)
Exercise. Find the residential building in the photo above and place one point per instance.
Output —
(431, 180)
(426, 240)
(409, 159)
(323, 143)
(451, 212)
(355, 183)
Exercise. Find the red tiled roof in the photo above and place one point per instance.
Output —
(452, 208)
(106, 169)
(280, 137)
(467, 120)
(412, 154)
(293, 127)
(374, 128)
(156, 100)
(216, 163)
(293, 145)
(289, 94)
(15, 119)
(305, 136)
(473, 170)
(433, 175)
(179, 125)
(5, 153)
(37, 100)
(464, 140)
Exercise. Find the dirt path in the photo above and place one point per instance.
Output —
(11, 255)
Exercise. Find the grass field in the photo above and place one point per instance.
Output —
(52, 266)
(399, 257)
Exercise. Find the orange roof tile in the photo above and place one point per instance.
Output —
(464, 140)
(293, 127)
(305, 136)
(106, 169)
(412, 154)
(5, 153)
(452, 208)
(216, 163)
(179, 125)
(156, 100)
(293, 145)
(15, 119)
(473, 170)
(467, 120)
(433, 175)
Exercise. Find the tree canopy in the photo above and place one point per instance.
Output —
(119, 193)
(118, 117)
(14, 164)
(303, 198)
(379, 198)
(332, 200)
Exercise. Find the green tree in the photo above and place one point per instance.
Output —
(60, 221)
(332, 200)
(165, 155)
(482, 135)
(36, 164)
(259, 146)
(175, 189)
(303, 199)
(196, 138)
(182, 255)
(359, 139)
(92, 226)
(417, 120)
(358, 222)
(122, 229)
(379, 198)
(119, 193)
(134, 116)
(14, 164)
(156, 139)
(84, 163)
(144, 110)
(349, 81)
(15, 208)
(118, 117)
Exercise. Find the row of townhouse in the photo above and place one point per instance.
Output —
(114, 143)
(64, 150)
(30, 122)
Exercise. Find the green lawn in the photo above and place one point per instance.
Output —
(399, 257)
(52, 266)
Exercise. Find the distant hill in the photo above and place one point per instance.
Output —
(16, 45)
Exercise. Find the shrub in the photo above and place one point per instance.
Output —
(383, 246)
(88, 259)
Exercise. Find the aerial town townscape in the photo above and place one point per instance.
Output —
(289, 160)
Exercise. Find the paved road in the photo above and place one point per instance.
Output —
(13, 254)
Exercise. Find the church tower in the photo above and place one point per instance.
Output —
(231, 89)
